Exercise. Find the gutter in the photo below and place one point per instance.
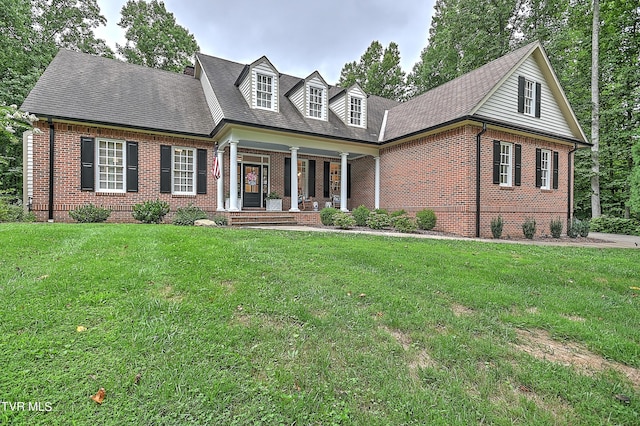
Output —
(478, 138)
(569, 186)
(52, 136)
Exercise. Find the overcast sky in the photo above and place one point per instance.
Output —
(297, 36)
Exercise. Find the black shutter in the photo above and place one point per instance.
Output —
(538, 167)
(287, 177)
(201, 185)
(521, 82)
(165, 169)
(555, 169)
(325, 179)
(496, 161)
(538, 99)
(348, 180)
(518, 164)
(132, 166)
(312, 178)
(87, 158)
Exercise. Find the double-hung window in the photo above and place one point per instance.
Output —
(529, 97)
(264, 91)
(545, 169)
(111, 166)
(315, 101)
(183, 177)
(506, 163)
(355, 111)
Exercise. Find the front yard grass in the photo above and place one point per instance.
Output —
(184, 325)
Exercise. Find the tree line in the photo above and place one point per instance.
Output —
(464, 35)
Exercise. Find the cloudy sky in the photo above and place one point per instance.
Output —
(297, 36)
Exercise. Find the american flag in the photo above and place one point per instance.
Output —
(215, 167)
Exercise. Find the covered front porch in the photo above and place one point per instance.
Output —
(307, 174)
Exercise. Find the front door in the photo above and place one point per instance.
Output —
(251, 185)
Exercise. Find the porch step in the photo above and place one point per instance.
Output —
(267, 219)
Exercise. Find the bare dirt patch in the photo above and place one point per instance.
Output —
(540, 345)
(460, 310)
(417, 361)
(167, 293)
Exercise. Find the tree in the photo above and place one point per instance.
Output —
(595, 115)
(378, 72)
(154, 39)
(12, 124)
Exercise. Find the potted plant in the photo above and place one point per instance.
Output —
(274, 202)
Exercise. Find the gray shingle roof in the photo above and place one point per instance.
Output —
(223, 74)
(452, 100)
(94, 89)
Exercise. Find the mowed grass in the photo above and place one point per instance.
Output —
(188, 325)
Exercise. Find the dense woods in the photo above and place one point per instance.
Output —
(464, 34)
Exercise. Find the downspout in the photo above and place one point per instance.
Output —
(478, 137)
(569, 186)
(52, 136)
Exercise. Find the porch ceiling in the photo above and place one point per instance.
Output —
(269, 146)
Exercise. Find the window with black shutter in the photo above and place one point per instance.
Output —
(555, 169)
(165, 169)
(132, 166)
(201, 184)
(87, 159)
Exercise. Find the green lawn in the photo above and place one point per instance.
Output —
(188, 325)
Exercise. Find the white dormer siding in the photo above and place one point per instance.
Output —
(503, 104)
(211, 98)
(297, 98)
(343, 106)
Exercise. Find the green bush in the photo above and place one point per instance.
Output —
(10, 212)
(573, 230)
(326, 215)
(529, 228)
(404, 224)
(584, 227)
(378, 220)
(556, 228)
(383, 211)
(343, 220)
(220, 220)
(90, 214)
(398, 213)
(496, 227)
(186, 216)
(615, 225)
(361, 214)
(426, 219)
(150, 211)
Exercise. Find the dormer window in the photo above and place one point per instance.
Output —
(316, 103)
(264, 91)
(529, 97)
(355, 111)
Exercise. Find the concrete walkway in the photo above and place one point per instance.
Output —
(595, 240)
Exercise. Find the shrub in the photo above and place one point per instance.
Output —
(529, 228)
(326, 215)
(10, 212)
(556, 228)
(383, 211)
(404, 224)
(496, 227)
(426, 219)
(378, 220)
(573, 230)
(615, 225)
(584, 227)
(220, 220)
(90, 214)
(361, 214)
(343, 220)
(186, 216)
(150, 211)
(398, 213)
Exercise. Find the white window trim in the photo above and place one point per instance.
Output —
(194, 171)
(124, 166)
(509, 172)
(530, 102)
(349, 117)
(545, 173)
(323, 95)
(303, 180)
(335, 191)
(273, 77)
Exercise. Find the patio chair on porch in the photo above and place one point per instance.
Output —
(335, 200)
(305, 203)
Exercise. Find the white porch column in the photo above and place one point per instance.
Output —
(376, 203)
(343, 181)
(294, 179)
(220, 183)
(233, 176)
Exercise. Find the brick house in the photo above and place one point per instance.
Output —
(496, 141)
